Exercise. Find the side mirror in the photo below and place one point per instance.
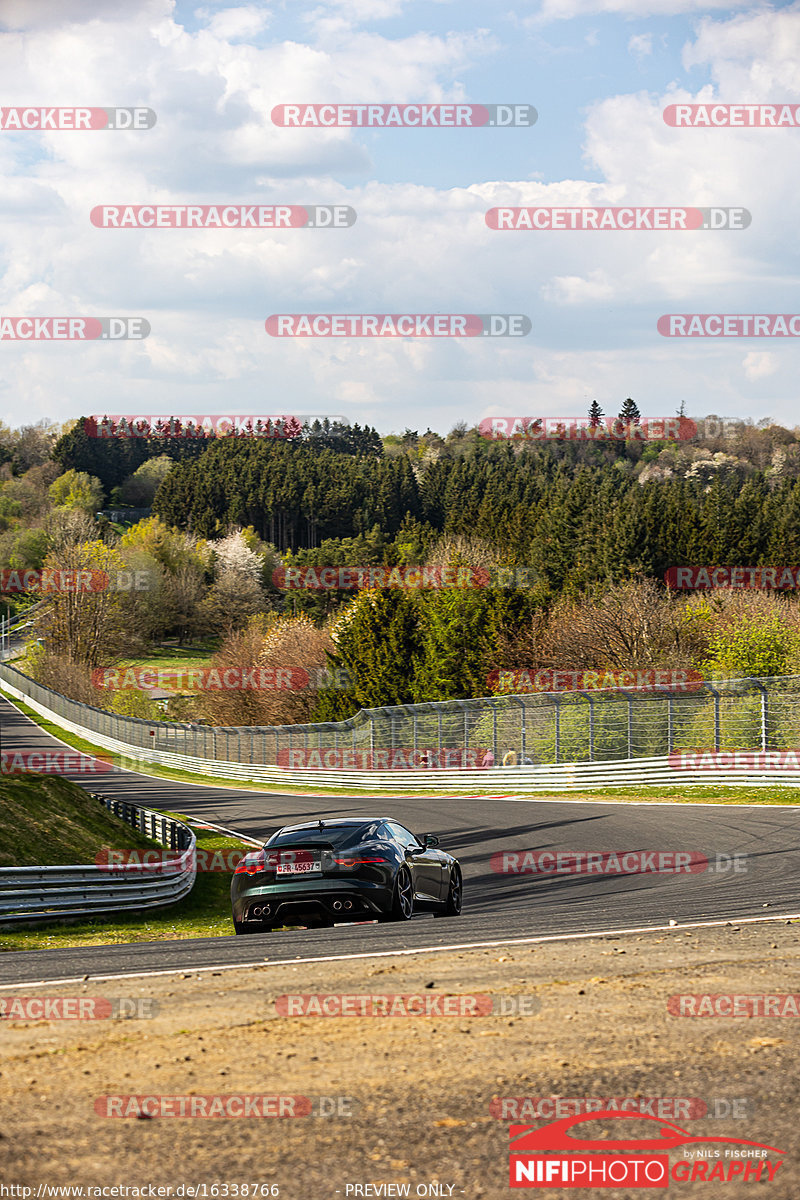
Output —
(429, 839)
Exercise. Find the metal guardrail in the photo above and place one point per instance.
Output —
(50, 893)
(548, 727)
(601, 739)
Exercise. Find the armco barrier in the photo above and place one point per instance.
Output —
(51, 893)
(579, 741)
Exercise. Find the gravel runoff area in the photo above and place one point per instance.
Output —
(408, 1101)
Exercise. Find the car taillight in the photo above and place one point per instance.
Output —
(358, 862)
(252, 864)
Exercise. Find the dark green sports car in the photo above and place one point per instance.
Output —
(345, 869)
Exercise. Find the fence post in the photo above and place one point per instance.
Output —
(670, 710)
(715, 694)
(630, 726)
(557, 704)
(494, 734)
(764, 713)
(591, 724)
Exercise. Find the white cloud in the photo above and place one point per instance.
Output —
(755, 57)
(577, 289)
(41, 14)
(759, 364)
(593, 297)
(641, 45)
(553, 10)
(234, 23)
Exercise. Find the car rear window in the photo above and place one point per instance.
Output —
(337, 835)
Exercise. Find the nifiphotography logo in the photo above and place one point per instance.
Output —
(638, 1162)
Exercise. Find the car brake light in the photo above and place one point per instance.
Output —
(358, 862)
(252, 864)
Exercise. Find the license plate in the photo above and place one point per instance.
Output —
(309, 866)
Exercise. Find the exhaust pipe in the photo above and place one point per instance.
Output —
(348, 903)
(261, 912)
(337, 904)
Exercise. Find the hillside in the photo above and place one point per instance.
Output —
(48, 821)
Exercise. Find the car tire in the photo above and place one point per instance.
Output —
(455, 893)
(402, 897)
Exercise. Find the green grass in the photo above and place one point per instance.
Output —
(173, 655)
(497, 784)
(172, 658)
(205, 912)
(48, 821)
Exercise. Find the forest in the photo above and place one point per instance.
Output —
(587, 531)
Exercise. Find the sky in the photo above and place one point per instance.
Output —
(599, 74)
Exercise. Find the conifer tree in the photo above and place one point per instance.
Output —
(629, 413)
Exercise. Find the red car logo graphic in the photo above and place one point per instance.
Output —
(527, 1139)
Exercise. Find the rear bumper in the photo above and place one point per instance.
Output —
(332, 899)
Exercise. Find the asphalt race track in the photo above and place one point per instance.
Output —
(497, 906)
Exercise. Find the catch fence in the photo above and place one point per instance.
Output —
(539, 729)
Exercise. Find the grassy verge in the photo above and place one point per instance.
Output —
(205, 912)
(47, 821)
(498, 784)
